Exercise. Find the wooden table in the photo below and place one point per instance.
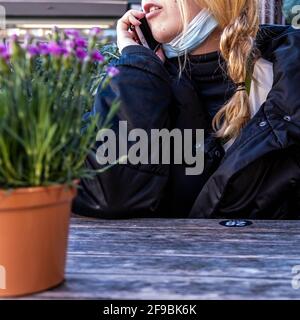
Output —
(179, 259)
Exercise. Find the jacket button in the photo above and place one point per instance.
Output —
(263, 124)
(293, 183)
(287, 118)
(218, 154)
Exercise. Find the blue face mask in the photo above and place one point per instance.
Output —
(197, 32)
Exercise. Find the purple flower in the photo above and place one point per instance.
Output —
(2, 48)
(66, 52)
(6, 56)
(69, 44)
(112, 71)
(55, 49)
(97, 56)
(4, 52)
(72, 33)
(80, 42)
(81, 54)
(44, 50)
(33, 50)
(95, 31)
(67, 47)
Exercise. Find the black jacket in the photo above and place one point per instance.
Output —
(258, 177)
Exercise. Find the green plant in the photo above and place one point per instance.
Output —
(45, 88)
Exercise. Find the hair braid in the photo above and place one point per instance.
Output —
(238, 48)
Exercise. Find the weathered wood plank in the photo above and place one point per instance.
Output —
(144, 243)
(173, 234)
(179, 259)
(256, 268)
(139, 287)
(166, 224)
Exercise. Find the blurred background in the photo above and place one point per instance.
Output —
(39, 16)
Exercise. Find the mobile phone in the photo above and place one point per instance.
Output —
(145, 36)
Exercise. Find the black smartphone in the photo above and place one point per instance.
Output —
(145, 36)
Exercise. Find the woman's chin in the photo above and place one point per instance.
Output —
(161, 38)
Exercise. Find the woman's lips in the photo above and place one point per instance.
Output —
(152, 14)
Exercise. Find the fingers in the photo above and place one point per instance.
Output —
(134, 21)
(134, 36)
(125, 36)
(131, 17)
(135, 13)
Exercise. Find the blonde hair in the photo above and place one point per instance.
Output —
(239, 21)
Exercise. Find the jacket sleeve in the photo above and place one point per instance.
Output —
(282, 107)
(143, 90)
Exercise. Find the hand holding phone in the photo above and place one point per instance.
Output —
(125, 37)
(145, 37)
(133, 28)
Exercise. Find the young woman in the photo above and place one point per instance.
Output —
(252, 151)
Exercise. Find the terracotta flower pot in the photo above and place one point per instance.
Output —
(34, 224)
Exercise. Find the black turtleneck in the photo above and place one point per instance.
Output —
(203, 89)
(208, 74)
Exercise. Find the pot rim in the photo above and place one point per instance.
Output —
(26, 190)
